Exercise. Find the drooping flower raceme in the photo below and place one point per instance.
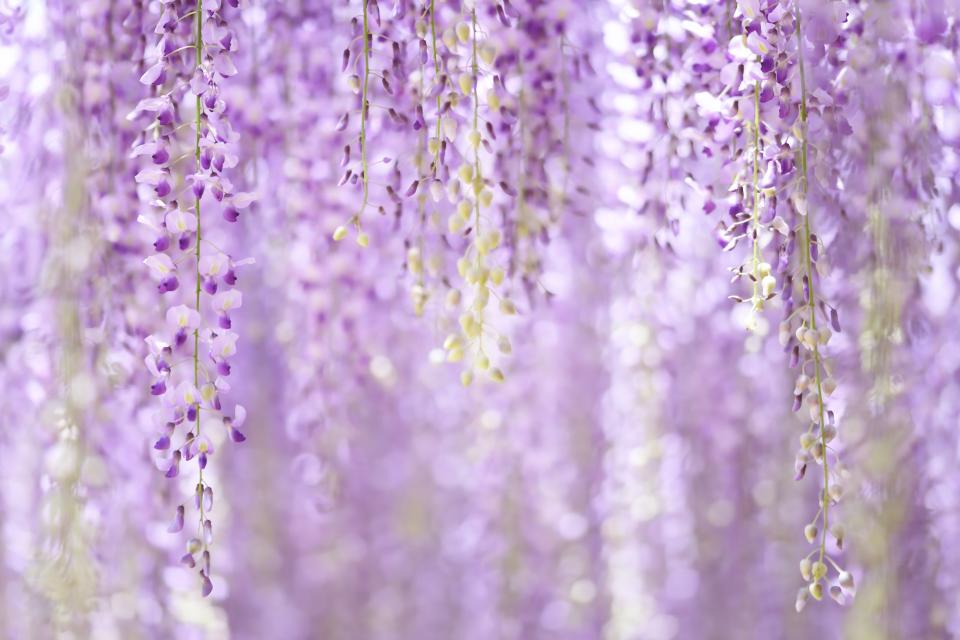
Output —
(189, 357)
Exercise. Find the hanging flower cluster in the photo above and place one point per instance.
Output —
(189, 358)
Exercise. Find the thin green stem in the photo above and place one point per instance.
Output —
(756, 194)
(477, 174)
(808, 264)
(196, 206)
(364, 179)
(565, 84)
(436, 70)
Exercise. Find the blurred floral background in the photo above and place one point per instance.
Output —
(479, 319)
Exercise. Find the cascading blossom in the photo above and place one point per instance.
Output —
(189, 358)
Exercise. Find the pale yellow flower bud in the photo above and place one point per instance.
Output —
(819, 570)
(486, 198)
(493, 100)
(488, 53)
(413, 261)
(481, 299)
(767, 285)
(466, 83)
(463, 32)
(455, 224)
(450, 39)
(810, 532)
(453, 190)
(340, 233)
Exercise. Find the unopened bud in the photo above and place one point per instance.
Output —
(810, 532)
(767, 285)
(805, 566)
(816, 590)
(487, 53)
(455, 224)
(466, 83)
(819, 570)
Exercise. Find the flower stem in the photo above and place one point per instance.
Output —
(436, 69)
(363, 116)
(808, 264)
(196, 206)
(478, 177)
(756, 194)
